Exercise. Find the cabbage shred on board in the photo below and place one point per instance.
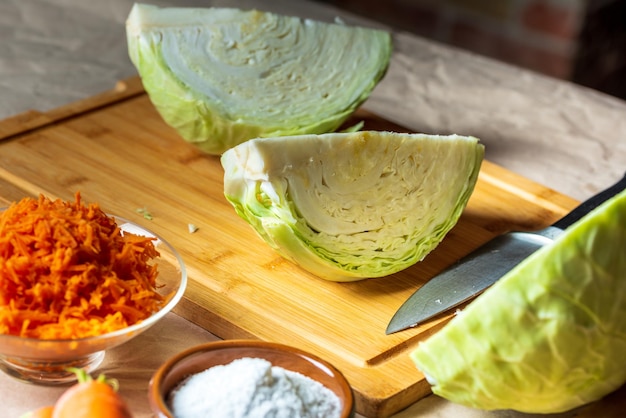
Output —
(221, 76)
(350, 206)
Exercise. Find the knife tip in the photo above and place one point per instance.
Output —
(392, 329)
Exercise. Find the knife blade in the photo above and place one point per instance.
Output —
(474, 273)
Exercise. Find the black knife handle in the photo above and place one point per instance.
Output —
(590, 204)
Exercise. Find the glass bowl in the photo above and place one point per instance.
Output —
(199, 358)
(46, 361)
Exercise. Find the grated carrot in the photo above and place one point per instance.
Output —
(67, 271)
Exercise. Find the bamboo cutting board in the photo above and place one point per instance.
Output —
(115, 149)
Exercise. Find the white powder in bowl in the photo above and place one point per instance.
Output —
(252, 388)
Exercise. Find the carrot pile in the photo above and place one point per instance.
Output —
(66, 271)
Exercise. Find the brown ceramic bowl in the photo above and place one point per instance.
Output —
(204, 356)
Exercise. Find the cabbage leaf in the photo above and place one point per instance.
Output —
(550, 335)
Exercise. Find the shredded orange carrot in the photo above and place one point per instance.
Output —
(67, 271)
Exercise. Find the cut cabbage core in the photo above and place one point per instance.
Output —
(221, 76)
(353, 205)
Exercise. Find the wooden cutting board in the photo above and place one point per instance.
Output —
(115, 149)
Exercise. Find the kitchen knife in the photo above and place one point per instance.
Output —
(477, 271)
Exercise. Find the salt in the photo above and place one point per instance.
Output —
(252, 388)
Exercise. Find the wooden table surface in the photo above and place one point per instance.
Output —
(562, 136)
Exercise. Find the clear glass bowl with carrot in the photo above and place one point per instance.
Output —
(74, 282)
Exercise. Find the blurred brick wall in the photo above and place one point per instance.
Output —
(601, 58)
(543, 35)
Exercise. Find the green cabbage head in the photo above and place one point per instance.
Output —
(550, 335)
(221, 76)
(349, 206)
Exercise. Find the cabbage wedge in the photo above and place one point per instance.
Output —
(350, 206)
(550, 335)
(221, 76)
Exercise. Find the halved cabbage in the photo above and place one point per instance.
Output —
(221, 76)
(550, 335)
(348, 206)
